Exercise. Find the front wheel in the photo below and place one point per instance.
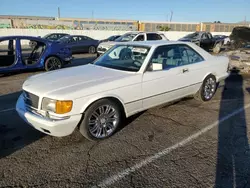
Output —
(52, 63)
(101, 120)
(208, 89)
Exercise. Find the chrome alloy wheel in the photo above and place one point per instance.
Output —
(54, 63)
(209, 88)
(103, 121)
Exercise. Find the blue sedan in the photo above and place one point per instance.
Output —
(24, 52)
(80, 43)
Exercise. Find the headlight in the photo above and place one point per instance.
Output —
(56, 106)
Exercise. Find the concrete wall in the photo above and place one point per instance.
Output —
(171, 35)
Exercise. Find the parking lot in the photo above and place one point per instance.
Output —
(173, 145)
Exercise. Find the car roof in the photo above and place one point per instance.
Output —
(78, 35)
(152, 43)
(22, 37)
(138, 32)
(58, 34)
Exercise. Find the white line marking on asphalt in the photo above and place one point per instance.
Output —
(111, 180)
(7, 110)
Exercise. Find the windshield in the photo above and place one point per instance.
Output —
(111, 38)
(46, 36)
(126, 37)
(192, 35)
(124, 57)
(64, 39)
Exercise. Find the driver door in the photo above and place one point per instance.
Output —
(205, 41)
(73, 44)
(166, 77)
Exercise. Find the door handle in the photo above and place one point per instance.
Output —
(184, 70)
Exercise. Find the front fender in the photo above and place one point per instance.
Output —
(90, 100)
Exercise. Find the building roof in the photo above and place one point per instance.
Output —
(26, 17)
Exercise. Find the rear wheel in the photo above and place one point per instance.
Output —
(92, 50)
(208, 89)
(101, 120)
(52, 63)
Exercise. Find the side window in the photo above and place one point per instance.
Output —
(52, 37)
(204, 36)
(140, 38)
(165, 57)
(158, 37)
(153, 36)
(189, 56)
(82, 38)
(210, 36)
(74, 39)
(60, 36)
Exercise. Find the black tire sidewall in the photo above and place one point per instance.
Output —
(203, 87)
(47, 61)
(84, 126)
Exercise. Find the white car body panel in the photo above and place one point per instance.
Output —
(136, 91)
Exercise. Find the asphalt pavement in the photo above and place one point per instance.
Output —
(185, 144)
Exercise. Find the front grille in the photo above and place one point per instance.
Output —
(30, 99)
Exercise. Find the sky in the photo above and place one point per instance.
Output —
(146, 10)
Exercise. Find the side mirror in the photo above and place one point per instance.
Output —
(149, 67)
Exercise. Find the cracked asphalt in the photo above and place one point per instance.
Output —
(218, 158)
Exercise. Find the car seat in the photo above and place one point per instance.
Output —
(35, 54)
(125, 54)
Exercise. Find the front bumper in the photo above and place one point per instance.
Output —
(101, 51)
(58, 128)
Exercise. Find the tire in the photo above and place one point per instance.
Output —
(202, 95)
(92, 50)
(52, 63)
(93, 125)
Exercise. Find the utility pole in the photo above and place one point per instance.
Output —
(58, 12)
(171, 16)
(92, 15)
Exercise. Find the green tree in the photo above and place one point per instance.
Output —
(164, 28)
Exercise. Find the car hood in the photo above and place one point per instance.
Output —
(76, 81)
(108, 44)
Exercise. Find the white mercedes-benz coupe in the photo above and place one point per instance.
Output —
(129, 78)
